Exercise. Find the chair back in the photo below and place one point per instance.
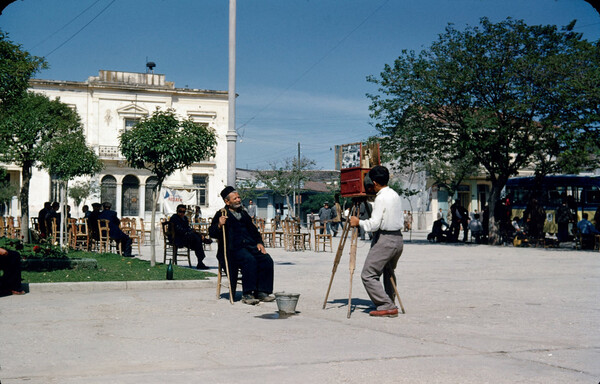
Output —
(167, 230)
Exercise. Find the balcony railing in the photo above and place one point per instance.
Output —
(109, 152)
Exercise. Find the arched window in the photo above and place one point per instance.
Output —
(108, 190)
(150, 183)
(130, 200)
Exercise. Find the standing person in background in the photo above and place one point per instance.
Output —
(325, 216)
(460, 216)
(251, 210)
(337, 218)
(386, 222)
(563, 217)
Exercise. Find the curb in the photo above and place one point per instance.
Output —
(97, 286)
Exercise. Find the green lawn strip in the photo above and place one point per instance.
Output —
(112, 267)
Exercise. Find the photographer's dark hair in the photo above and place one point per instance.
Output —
(379, 174)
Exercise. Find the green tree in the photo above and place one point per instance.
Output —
(288, 178)
(508, 95)
(69, 157)
(81, 190)
(16, 68)
(248, 189)
(32, 129)
(164, 144)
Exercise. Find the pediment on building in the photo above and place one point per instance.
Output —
(132, 110)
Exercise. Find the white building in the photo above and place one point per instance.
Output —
(113, 102)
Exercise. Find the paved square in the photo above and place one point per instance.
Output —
(475, 314)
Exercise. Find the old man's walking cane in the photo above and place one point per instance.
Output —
(224, 213)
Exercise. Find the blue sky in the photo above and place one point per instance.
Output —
(301, 65)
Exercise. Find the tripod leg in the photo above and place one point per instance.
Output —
(353, 245)
(338, 256)
(397, 295)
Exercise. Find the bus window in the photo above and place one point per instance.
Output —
(592, 196)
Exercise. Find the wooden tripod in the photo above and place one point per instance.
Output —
(338, 256)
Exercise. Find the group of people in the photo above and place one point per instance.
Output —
(460, 218)
(241, 243)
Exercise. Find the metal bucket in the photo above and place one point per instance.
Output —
(286, 302)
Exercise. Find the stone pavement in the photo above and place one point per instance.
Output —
(475, 314)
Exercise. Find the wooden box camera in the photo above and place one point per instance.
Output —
(355, 161)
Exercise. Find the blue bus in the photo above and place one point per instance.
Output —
(582, 194)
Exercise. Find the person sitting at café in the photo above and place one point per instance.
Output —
(10, 264)
(92, 221)
(115, 231)
(587, 231)
(185, 236)
(42, 219)
(52, 215)
(245, 250)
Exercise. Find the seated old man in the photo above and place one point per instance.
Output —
(115, 231)
(245, 249)
(185, 236)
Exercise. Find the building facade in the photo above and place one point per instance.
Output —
(115, 101)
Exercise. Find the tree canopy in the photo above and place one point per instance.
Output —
(287, 178)
(508, 95)
(16, 68)
(164, 144)
(37, 131)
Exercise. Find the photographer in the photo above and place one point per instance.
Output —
(386, 223)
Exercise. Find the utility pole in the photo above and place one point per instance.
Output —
(231, 133)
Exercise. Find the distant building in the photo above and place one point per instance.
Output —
(112, 103)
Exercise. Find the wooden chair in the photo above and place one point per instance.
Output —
(2, 226)
(53, 230)
(323, 239)
(144, 231)
(278, 233)
(267, 236)
(80, 238)
(223, 281)
(10, 228)
(128, 226)
(106, 244)
(170, 247)
(293, 239)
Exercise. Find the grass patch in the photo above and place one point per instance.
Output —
(112, 267)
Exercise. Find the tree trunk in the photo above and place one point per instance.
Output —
(153, 223)
(494, 237)
(287, 200)
(24, 197)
